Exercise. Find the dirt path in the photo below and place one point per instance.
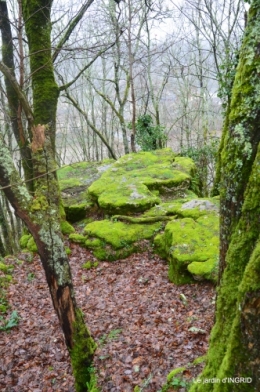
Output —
(137, 317)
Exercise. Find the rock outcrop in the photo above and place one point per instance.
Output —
(140, 199)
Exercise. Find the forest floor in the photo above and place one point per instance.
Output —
(139, 319)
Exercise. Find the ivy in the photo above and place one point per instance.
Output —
(148, 136)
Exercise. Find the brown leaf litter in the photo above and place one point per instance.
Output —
(137, 317)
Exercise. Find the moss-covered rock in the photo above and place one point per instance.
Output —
(77, 212)
(31, 245)
(78, 238)
(4, 268)
(116, 240)
(191, 248)
(74, 181)
(24, 240)
(66, 228)
(189, 207)
(157, 184)
(135, 182)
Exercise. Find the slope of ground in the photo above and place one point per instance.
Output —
(142, 323)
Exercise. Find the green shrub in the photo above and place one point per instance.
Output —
(148, 136)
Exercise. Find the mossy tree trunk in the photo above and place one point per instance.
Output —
(36, 14)
(42, 212)
(14, 105)
(234, 345)
(41, 215)
(6, 231)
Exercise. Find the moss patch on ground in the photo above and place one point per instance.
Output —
(177, 379)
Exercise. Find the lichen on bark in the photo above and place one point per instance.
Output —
(234, 342)
(241, 138)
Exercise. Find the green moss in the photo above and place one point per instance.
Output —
(67, 250)
(66, 228)
(185, 242)
(90, 264)
(192, 207)
(4, 268)
(169, 208)
(119, 234)
(102, 254)
(82, 171)
(78, 238)
(62, 211)
(116, 240)
(174, 372)
(8, 278)
(87, 265)
(74, 181)
(70, 183)
(130, 184)
(208, 270)
(199, 360)
(31, 245)
(185, 164)
(39, 203)
(24, 240)
(94, 243)
(82, 354)
(3, 308)
(110, 254)
(177, 382)
(120, 195)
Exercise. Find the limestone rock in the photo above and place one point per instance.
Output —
(136, 182)
(191, 247)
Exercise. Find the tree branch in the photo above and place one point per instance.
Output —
(70, 28)
(22, 98)
(67, 85)
(94, 129)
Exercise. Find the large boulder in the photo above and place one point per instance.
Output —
(191, 244)
(144, 196)
(74, 181)
(111, 240)
(136, 182)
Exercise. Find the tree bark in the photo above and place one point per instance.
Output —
(42, 212)
(234, 344)
(13, 101)
(42, 217)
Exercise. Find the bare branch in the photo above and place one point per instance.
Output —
(94, 129)
(70, 28)
(65, 86)
(22, 98)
